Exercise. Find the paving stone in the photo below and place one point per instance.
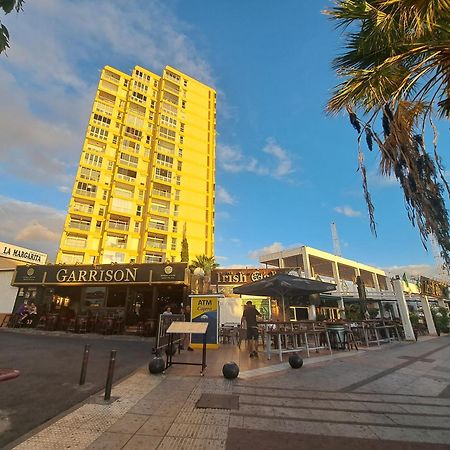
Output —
(140, 442)
(129, 423)
(110, 441)
(236, 422)
(198, 431)
(197, 417)
(183, 443)
(155, 426)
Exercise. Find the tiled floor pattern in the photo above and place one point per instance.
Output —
(373, 416)
(84, 425)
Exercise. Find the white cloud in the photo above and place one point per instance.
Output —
(232, 159)
(284, 166)
(223, 196)
(347, 211)
(272, 248)
(416, 270)
(31, 225)
(378, 180)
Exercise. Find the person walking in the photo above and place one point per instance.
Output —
(250, 314)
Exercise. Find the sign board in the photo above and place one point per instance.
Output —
(22, 254)
(105, 274)
(433, 288)
(205, 309)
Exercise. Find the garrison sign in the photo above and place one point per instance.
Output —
(205, 308)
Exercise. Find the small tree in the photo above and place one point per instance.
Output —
(207, 264)
(184, 247)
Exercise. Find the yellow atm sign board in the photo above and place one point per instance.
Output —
(205, 308)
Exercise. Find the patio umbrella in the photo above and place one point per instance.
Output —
(282, 285)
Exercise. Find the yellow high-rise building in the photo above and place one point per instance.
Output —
(146, 175)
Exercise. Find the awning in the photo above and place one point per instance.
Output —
(283, 285)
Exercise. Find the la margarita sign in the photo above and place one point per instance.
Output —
(22, 254)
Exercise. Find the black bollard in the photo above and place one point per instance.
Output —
(109, 378)
(84, 364)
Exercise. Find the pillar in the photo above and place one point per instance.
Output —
(403, 309)
(312, 315)
(306, 263)
(428, 316)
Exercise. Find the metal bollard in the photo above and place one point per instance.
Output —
(84, 364)
(109, 379)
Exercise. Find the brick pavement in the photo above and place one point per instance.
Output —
(391, 398)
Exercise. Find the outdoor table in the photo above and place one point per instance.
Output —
(187, 328)
(282, 335)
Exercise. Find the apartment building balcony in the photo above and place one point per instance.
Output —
(75, 242)
(154, 258)
(86, 193)
(161, 193)
(159, 209)
(163, 178)
(127, 178)
(79, 225)
(116, 225)
(158, 226)
(156, 244)
(82, 208)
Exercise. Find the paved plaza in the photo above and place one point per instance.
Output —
(396, 396)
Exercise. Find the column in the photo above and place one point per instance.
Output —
(336, 276)
(403, 309)
(306, 263)
(428, 316)
(312, 315)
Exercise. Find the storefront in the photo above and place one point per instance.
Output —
(136, 293)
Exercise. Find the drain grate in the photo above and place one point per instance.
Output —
(218, 401)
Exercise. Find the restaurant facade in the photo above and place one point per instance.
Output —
(133, 293)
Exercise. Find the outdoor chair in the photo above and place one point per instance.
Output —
(42, 322)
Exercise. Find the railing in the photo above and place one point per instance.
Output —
(128, 163)
(161, 193)
(123, 193)
(171, 151)
(126, 178)
(157, 226)
(80, 225)
(155, 244)
(117, 244)
(82, 208)
(161, 209)
(162, 178)
(107, 76)
(75, 243)
(86, 193)
(118, 226)
(164, 163)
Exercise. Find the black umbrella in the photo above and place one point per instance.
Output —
(282, 285)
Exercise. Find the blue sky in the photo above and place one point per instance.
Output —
(285, 170)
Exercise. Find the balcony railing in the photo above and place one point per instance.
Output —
(126, 178)
(75, 243)
(164, 163)
(163, 178)
(161, 193)
(158, 226)
(118, 225)
(80, 225)
(128, 163)
(171, 151)
(82, 208)
(156, 244)
(160, 209)
(117, 244)
(86, 193)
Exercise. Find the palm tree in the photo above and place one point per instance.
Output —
(396, 69)
(207, 264)
(8, 6)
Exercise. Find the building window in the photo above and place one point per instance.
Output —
(101, 120)
(167, 134)
(93, 160)
(89, 174)
(139, 210)
(180, 165)
(183, 104)
(99, 133)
